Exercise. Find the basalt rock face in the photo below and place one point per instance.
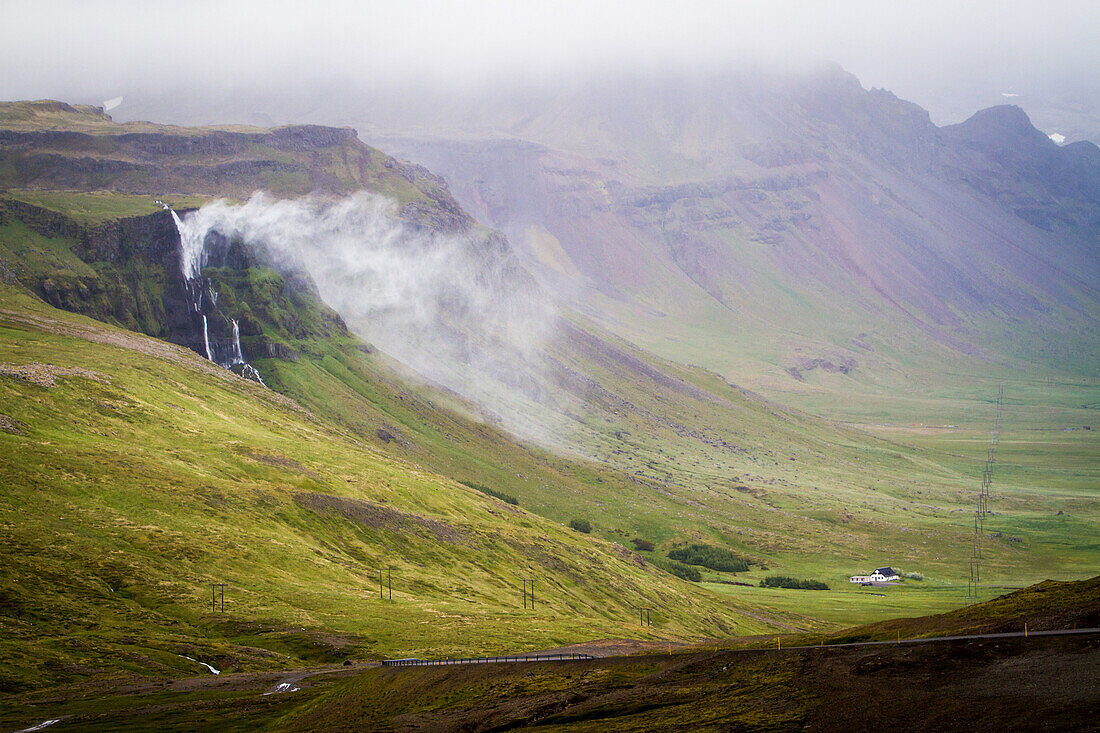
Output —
(134, 278)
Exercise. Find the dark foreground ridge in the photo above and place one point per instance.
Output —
(1035, 683)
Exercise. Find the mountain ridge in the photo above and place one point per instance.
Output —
(844, 210)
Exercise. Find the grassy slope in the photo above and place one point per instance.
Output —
(691, 458)
(94, 207)
(124, 499)
(685, 456)
(692, 692)
(719, 689)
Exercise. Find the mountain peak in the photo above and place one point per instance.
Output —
(1006, 123)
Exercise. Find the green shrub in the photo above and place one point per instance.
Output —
(581, 525)
(913, 576)
(687, 572)
(508, 498)
(642, 545)
(709, 556)
(783, 581)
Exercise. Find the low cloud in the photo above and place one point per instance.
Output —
(456, 308)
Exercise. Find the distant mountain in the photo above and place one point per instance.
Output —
(765, 225)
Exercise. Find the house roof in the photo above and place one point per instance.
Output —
(886, 571)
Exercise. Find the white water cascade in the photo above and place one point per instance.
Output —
(206, 338)
(203, 300)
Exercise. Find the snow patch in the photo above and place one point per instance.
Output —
(1057, 137)
(110, 104)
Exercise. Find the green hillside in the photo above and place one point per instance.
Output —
(136, 474)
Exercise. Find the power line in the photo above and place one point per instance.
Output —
(982, 509)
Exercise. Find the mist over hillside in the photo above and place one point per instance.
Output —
(455, 307)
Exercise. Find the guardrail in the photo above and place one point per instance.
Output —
(412, 662)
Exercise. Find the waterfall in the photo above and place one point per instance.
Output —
(250, 372)
(203, 300)
(237, 355)
(192, 246)
(206, 338)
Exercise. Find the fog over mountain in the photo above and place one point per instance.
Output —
(951, 58)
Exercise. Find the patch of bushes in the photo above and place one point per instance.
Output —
(642, 545)
(913, 576)
(687, 572)
(581, 525)
(507, 498)
(709, 556)
(782, 581)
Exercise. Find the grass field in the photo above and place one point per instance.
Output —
(92, 207)
(835, 608)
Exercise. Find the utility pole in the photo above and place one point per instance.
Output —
(644, 618)
(385, 583)
(214, 596)
(528, 590)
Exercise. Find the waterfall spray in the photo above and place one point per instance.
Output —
(455, 307)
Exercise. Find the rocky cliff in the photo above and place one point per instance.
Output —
(128, 271)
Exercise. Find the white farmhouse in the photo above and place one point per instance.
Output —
(881, 575)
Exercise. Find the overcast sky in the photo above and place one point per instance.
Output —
(929, 51)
